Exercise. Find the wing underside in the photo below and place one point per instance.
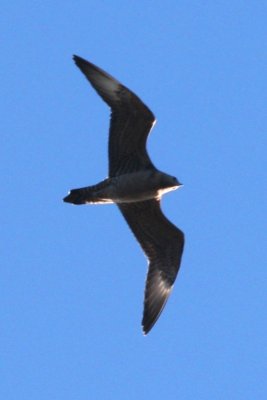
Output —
(163, 245)
(130, 123)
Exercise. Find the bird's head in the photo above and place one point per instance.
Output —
(169, 181)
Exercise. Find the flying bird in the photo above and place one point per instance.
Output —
(136, 186)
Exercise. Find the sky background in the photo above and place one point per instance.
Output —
(72, 278)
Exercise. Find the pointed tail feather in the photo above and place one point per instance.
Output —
(78, 196)
(95, 194)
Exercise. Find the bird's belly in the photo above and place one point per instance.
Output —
(134, 197)
(133, 187)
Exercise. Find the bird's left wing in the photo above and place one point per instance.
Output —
(163, 245)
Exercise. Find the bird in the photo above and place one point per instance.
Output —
(136, 186)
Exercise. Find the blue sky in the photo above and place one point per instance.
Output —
(72, 278)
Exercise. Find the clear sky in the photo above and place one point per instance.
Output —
(72, 278)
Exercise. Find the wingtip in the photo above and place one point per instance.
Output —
(147, 325)
(157, 293)
(77, 59)
(81, 62)
(148, 321)
(146, 330)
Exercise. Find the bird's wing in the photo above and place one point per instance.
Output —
(131, 121)
(163, 245)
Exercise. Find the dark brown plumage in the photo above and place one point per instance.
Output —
(136, 186)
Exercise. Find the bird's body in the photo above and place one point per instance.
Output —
(136, 186)
(126, 188)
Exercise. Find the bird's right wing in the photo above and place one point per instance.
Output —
(131, 121)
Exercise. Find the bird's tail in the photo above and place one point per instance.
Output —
(89, 195)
